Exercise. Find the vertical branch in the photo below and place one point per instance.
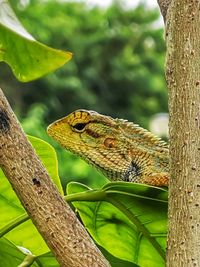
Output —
(183, 78)
(56, 222)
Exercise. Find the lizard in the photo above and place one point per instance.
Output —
(120, 149)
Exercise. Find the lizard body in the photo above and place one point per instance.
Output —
(120, 149)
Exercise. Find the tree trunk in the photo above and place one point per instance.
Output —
(53, 218)
(183, 78)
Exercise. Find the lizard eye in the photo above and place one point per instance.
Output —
(79, 126)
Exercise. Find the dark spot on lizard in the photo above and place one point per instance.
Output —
(110, 142)
(36, 182)
(92, 133)
(133, 172)
(4, 121)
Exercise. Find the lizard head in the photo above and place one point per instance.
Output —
(94, 137)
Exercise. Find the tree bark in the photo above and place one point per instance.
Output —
(164, 5)
(183, 78)
(53, 218)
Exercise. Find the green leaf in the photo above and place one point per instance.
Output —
(128, 220)
(47, 260)
(28, 58)
(47, 155)
(116, 262)
(13, 220)
(11, 255)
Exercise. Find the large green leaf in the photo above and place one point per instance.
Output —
(128, 220)
(14, 223)
(28, 58)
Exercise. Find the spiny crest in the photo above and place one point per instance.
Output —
(130, 130)
(134, 131)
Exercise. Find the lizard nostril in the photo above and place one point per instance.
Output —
(110, 142)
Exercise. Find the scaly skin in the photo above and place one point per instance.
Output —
(119, 149)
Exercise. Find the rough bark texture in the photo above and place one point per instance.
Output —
(183, 77)
(53, 218)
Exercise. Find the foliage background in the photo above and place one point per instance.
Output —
(117, 69)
